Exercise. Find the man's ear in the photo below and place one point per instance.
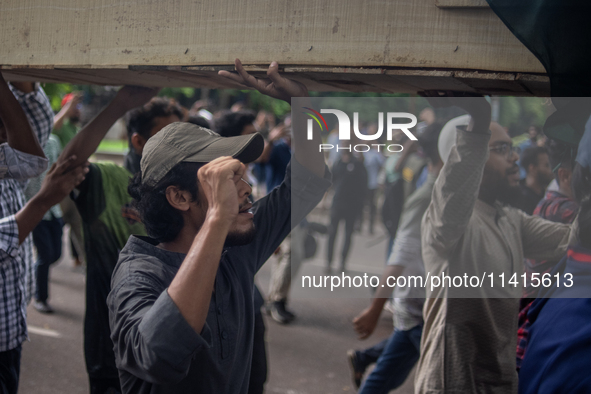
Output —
(178, 199)
(138, 142)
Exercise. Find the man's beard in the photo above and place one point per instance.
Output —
(236, 238)
(510, 195)
(507, 194)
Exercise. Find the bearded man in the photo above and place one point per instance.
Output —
(468, 344)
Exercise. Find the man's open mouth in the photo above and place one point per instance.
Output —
(246, 208)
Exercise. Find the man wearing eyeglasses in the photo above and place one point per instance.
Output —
(469, 344)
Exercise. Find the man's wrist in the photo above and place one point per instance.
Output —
(41, 201)
(216, 218)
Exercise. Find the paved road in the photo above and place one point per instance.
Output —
(306, 357)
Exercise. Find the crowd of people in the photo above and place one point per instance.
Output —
(172, 240)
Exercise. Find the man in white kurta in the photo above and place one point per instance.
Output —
(468, 344)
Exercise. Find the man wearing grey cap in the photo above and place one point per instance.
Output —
(181, 305)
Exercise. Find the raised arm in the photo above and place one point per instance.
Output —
(66, 111)
(57, 184)
(275, 135)
(19, 133)
(456, 189)
(305, 151)
(192, 286)
(37, 107)
(88, 139)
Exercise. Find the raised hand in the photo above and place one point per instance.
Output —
(278, 132)
(70, 107)
(275, 85)
(473, 103)
(218, 180)
(88, 139)
(60, 181)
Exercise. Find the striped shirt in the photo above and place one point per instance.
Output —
(52, 151)
(18, 165)
(16, 263)
(557, 208)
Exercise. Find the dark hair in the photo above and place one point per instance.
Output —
(561, 154)
(141, 120)
(162, 221)
(530, 156)
(230, 124)
(199, 121)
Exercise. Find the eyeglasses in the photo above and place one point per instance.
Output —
(505, 149)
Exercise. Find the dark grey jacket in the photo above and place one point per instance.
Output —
(156, 349)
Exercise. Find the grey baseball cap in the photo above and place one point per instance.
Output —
(185, 142)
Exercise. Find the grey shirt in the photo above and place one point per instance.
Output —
(157, 351)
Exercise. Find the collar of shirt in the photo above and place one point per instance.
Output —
(487, 209)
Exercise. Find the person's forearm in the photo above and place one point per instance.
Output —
(377, 305)
(29, 217)
(384, 291)
(19, 134)
(306, 151)
(58, 120)
(456, 190)
(192, 287)
(86, 142)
